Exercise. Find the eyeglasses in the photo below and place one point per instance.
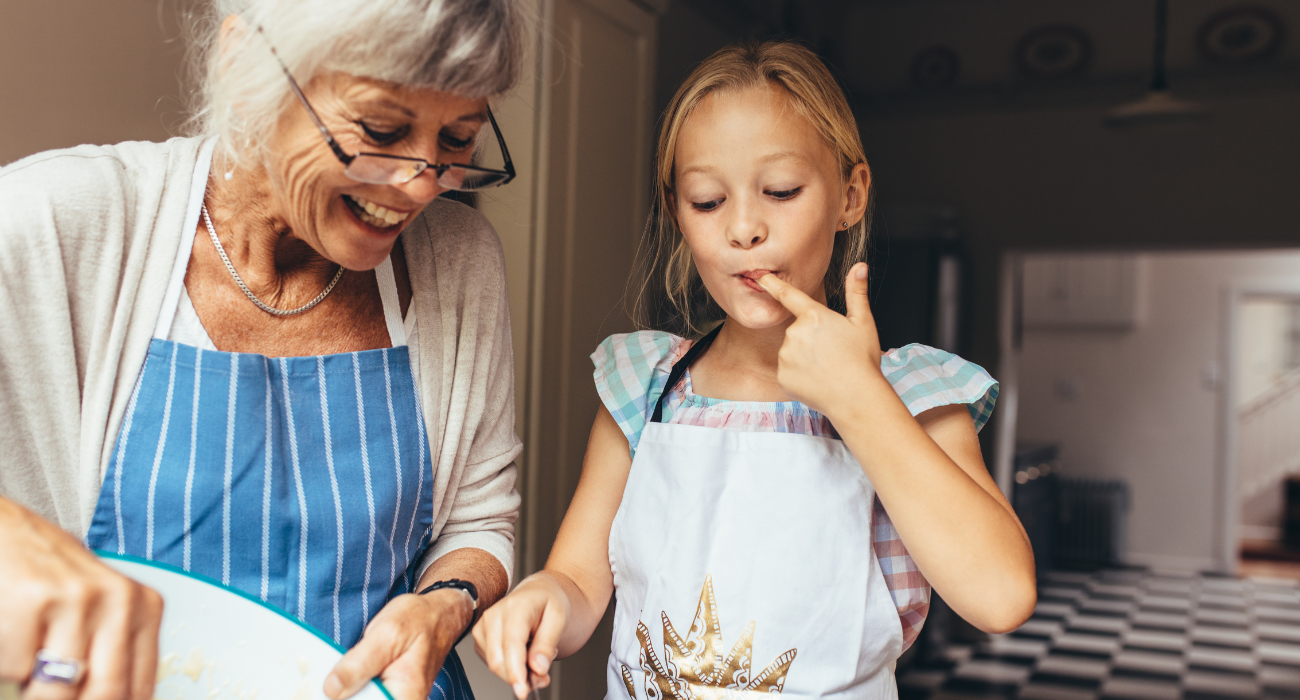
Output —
(385, 169)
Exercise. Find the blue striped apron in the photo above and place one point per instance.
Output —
(305, 481)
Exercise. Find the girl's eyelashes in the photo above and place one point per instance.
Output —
(709, 205)
(381, 137)
(779, 195)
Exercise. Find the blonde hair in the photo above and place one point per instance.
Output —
(672, 296)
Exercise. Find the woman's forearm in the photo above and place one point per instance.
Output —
(407, 641)
(473, 565)
(964, 538)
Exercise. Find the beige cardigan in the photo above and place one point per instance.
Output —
(88, 238)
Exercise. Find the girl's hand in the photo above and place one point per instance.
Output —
(56, 595)
(405, 645)
(826, 358)
(526, 624)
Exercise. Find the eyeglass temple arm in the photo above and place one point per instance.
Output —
(501, 140)
(315, 118)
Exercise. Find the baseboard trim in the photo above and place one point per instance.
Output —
(1174, 564)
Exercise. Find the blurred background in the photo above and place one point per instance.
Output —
(1097, 200)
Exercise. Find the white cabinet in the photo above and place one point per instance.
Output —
(1082, 290)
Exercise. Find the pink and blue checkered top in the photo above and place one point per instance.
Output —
(632, 368)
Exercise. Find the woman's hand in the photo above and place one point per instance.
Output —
(404, 646)
(827, 358)
(526, 624)
(56, 595)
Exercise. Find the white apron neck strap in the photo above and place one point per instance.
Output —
(392, 305)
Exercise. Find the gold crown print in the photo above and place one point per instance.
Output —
(693, 668)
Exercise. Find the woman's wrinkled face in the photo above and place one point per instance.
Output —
(757, 191)
(352, 223)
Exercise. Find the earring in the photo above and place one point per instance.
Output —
(846, 224)
(229, 174)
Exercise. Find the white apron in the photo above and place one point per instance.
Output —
(743, 564)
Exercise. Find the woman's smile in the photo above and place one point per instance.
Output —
(375, 215)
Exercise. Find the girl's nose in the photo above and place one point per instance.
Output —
(746, 232)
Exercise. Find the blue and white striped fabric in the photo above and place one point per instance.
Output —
(300, 480)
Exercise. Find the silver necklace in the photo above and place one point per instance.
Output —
(249, 293)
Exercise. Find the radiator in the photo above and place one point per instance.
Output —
(1091, 527)
(1071, 523)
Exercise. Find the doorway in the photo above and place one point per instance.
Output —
(1265, 412)
(1128, 363)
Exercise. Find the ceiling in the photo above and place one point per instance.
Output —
(874, 44)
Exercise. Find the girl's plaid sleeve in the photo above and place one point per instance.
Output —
(924, 378)
(630, 372)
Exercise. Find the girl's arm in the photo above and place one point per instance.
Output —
(927, 470)
(554, 611)
(962, 533)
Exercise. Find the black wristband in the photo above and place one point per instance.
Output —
(454, 583)
(464, 586)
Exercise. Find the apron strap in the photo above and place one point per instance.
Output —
(198, 188)
(679, 370)
(387, 282)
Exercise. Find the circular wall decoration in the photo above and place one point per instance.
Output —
(1240, 35)
(936, 66)
(1054, 51)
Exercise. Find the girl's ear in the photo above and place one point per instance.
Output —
(855, 194)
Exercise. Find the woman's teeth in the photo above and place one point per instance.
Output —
(372, 213)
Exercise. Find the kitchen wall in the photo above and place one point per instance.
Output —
(74, 72)
(1142, 404)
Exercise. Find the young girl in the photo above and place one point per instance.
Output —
(735, 488)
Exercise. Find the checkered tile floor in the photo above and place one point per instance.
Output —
(1133, 635)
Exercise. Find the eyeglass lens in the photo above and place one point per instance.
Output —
(384, 171)
(396, 171)
(469, 180)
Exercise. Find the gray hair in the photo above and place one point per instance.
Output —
(472, 48)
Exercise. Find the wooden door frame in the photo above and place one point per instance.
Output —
(543, 474)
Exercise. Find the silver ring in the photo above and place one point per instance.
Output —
(52, 668)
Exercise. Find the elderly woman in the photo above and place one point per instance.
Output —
(268, 354)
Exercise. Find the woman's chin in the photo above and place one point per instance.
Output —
(358, 256)
(357, 246)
